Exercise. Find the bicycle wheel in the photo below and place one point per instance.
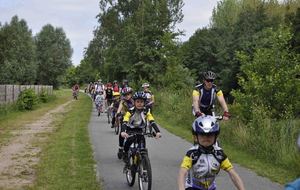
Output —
(145, 174)
(131, 172)
(117, 126)
(108, 115)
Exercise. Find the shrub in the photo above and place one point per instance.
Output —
(44, 97)
(27, 99)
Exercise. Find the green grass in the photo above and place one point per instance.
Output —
(67, 160)
(266, 147)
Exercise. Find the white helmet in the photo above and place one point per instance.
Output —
(145, 85)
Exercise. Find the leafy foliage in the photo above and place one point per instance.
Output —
(17, 53)
(269, 78)
(27, 99)
(54, 55)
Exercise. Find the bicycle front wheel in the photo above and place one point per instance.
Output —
(130, 172)
(145, 174)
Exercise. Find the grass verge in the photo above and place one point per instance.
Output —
(267, 169)
(267, 148)
(66, 160)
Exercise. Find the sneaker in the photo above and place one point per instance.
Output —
(120, 153)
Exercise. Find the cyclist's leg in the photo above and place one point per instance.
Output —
(127, 144)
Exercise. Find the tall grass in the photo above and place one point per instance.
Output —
(263, 142)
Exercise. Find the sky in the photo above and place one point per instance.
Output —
(78, 18)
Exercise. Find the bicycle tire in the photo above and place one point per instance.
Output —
(117, 126)
(108, 115)
(145, 174)
(131, 172)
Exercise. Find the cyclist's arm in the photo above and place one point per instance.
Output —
(236, 179)
(120, 107)
(186, 164)
(181, 178)
(150, 118)
(196, 96)
(222, 101)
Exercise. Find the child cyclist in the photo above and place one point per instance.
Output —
(99, 102)
(114, 106)
(203, 161)
(135, 120)
(125, 104)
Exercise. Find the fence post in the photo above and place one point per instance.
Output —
(5, 93)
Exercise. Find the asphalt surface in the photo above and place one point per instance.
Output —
(165, 157)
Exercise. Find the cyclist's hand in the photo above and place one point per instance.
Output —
(158, 135)
(226, 115)
(124, 135)
(198, 114)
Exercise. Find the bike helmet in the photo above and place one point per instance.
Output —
(115, 81)
(206, 125)
(125, 81)
(126, 90)
(139, 95)
(146, 85)
(116, 94)
(209, 75)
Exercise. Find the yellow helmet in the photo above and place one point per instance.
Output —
(116, 94)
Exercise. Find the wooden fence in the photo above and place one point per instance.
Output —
(10, 93)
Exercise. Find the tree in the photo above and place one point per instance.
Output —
(54, 55)
(17, 53)
(269, 77)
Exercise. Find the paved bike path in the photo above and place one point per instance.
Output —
(165, 157)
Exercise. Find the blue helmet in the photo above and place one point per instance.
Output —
(206, 125)
(139, 95)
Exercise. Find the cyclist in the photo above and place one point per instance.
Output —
(99, 101)
(149, 95)
(135, 120)
(115, 106)
(203, 161)
(124, 84)
(125, 104)
(116, 87)
(295, 185)
(204, 96)
(99, 87)
(75, 90)
(109, 94)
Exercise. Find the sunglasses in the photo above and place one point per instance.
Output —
(209, 80)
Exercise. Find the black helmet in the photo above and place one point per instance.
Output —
(139, 95)
(209, 75)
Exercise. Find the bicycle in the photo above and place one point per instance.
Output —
(75, 94)
(99, 108)
(139, 163)
(117, 125)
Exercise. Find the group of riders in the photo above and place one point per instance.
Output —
(204, 159)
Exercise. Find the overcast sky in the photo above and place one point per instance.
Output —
(78, 18)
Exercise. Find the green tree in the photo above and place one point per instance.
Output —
(54, 55)
(269, 77)
(17, 53)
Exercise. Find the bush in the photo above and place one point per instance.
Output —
(27, 99)
(44, 97)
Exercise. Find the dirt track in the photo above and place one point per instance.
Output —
(20, 155)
